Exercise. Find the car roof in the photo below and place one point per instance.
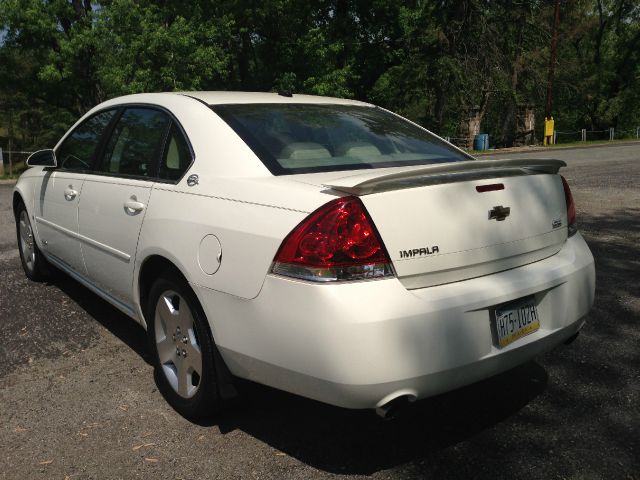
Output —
(220, 98)
(191, 109)
(224, 98)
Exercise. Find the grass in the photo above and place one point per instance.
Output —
(591, 142)
(588, 143)
(16, 170)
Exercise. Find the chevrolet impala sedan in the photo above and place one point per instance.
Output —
(325, 247)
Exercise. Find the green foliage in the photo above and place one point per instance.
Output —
(435, 62)
(142, 48)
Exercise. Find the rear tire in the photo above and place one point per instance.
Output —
(182, 349)
(34, 264)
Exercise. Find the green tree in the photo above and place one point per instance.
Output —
(147, 46)
(437, 62)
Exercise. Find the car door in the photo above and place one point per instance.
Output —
(61, 188)
(115, 197)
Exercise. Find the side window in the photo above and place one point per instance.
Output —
(76, 152)
(177, 156)
(136, 142)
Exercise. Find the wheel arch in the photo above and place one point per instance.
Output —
(17, 200)
(151, 268)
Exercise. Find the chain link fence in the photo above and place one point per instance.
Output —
(560, 137)
(13, 162)
(585, 135)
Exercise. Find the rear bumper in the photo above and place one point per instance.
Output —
(362, 344)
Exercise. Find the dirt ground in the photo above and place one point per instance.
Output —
(78, 400)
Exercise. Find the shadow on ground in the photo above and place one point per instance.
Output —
(128, 331)
(357, 442)
(338, 440)
(508, 424)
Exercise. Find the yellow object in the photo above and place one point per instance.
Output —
(549, 125)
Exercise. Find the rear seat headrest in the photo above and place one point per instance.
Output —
(357, 149)
(304, 151)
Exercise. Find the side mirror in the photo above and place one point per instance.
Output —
(42, 158)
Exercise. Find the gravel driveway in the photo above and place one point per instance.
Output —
(77, 397)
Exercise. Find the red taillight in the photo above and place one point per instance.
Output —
(336, 242)
(571, 207)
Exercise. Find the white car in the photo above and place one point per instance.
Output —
(321, 246)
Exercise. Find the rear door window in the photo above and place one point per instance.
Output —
(136, 143)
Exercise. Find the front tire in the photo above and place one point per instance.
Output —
(182, 349)
(34, 264)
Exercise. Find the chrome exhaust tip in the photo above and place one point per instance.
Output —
(392, 409)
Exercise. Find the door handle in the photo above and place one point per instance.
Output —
(70, 193)
(133, 206)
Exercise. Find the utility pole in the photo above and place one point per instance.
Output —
(553, 59)
(549, 124)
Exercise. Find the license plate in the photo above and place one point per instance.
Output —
(516, 319)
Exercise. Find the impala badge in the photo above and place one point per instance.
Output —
(499, 213)
(418, 252)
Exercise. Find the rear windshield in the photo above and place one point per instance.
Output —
(305, 138)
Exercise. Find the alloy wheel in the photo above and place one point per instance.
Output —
(177, 344)
(26, 241)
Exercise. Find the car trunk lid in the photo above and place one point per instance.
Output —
(449, 222)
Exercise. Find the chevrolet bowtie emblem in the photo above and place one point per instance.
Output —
(499, 213)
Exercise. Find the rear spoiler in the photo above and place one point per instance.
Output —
(371, 181)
